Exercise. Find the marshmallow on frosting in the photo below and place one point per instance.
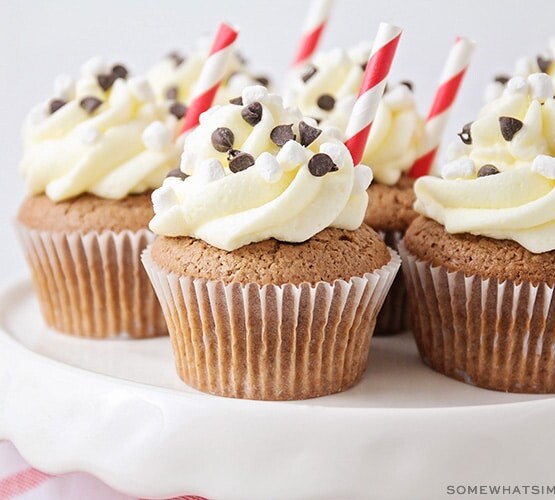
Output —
(501, 183)
(256, 170)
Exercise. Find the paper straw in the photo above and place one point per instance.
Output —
(371, 89)
(211, 75)
(315, 23)
(450, 82)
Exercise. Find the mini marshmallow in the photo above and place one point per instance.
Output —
(269, 168)
(544, 165)
(89, 135)
(493, 91)
(456, 149)
(64, 87)
(517, 85)
(275, 100)
(209, 170)
(254, 93)
(238, 81)
(188, 162)
(156, 136)
(541, 86)
(334, 132)
(291, 155)
(523, 67)
(337, 152)
(95, 66)
(399, 97)
(363, 177)
(310, 121)
(208, 113)
(456, 169)
(141, 89)
(38, 114)
(164, 198)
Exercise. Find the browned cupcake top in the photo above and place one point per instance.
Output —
(390, 207)
(487, 257)
(87, 213)
(329, 255)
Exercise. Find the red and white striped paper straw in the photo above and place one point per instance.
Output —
(450, 82)
(371, 89)
(315, 23)
(211, 76)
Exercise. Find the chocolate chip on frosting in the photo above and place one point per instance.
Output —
(465, 135)
(172, 93)
(308, 134)
(177, 58)
(408, 84)
(240, 161)
(487, 169)
(105, 81)
(55, 105)
(503, 79)
(90, 104)
(119, 71)
(543, 63)
(326, 102)
(252, 113)
(176, 172)
(238, 101)
(509, 127)
(281, 134)
(263, 80)
(222, 139)
(178, 109)
(310, 71)
(320, 164)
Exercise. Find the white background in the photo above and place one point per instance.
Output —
(42, 38)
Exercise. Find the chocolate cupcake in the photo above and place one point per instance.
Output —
(326, 90)
(268, 280)
(480, 264)
(92, 155)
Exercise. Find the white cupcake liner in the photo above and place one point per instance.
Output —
(394, 316)
(492, 334)
(271, 342)
(93, 284)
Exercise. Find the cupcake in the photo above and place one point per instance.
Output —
(174, 77)
(269, 281)
(92, 155)
(480, 261)
(326, 91)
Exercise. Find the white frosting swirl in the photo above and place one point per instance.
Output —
(124, 146)
(518, 203)
(278, 197)
(397, 130)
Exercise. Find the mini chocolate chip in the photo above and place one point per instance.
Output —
(326, 102)
(177, 58)
(409, 84)
(237, 101)
(263, 80)
(543, 63)
(222, 139)
(363, 66)
(503, 79)
(55, 105)
(119, 71)
(241, 161)
(281, 134)
(178, 109)
(90, 104)
(172, 93)
(232, 153)
(308, 134)
(309, 73)
(487, 169)
(465, 135)
(320, 164)
(176, 172)
(105, 81)
(509, 127)
(252, 113)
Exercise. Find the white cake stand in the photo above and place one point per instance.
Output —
(117, 410)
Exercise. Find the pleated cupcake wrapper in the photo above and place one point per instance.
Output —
(271, 342)
(496, 335)
(394, 316)
(93, 284)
